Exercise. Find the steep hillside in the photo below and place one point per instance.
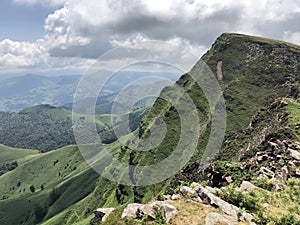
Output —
(44, 185)
(255, 72)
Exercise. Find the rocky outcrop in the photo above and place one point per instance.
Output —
(278, 160)
(102, 213)
(136, 210)
(198, 195)
(294, 154)
(187, 191)
(207, 195)
(247, 186)
(283, 159)
(217, 202)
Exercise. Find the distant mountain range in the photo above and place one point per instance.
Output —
(20, 92)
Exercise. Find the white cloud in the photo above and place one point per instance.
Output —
(25, 56)
(61, 34)
(14, 54)
(96, 25)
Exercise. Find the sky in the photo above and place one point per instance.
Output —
(67, 36)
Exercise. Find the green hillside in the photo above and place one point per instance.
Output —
(60, 178)
(8, 154)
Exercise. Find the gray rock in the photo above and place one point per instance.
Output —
(265, 205)
(294, 153)
(136, 210)
(170, 210)
(215, 201)
(187, 191)
(101, 214)
(272, 144)
(297, 172)
(247, 217)
(211, 189)
(175, 197)
(262, 158)
(247, 186)
(227, 208)
(266, 172)
(215, 218)
(229, 179)
(167, 197)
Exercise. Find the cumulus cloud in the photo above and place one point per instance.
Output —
(96, 26)
(99, 25)
(24, 56)
(15, 54)
(82, 29)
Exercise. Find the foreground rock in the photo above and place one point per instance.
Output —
(187, 191)
(217, 202)
(226, 207)
(102, 213)
(136, 210)
(247, 186)
(215, 218)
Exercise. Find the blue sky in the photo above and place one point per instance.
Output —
(67, 36)
(22, 22)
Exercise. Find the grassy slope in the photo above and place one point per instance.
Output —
(68, 183)
(8, 154)
(70, 175)
(250, 83)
